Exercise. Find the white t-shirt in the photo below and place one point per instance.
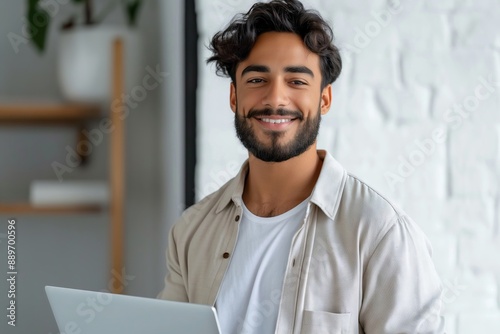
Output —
(250, 293)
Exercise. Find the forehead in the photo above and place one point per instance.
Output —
(278, 50)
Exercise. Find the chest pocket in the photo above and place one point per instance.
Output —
(315, 322)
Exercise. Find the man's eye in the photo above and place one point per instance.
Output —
(255, 81)
(298, 82)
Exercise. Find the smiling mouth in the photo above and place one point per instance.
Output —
(275, 123)
(276, 120)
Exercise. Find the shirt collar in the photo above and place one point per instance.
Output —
(234, 190)
(328, 189)
(326, 193)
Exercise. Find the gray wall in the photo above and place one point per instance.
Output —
(72, 250)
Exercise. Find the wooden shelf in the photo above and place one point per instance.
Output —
(21, 208)
(48, 113)
(77, 115)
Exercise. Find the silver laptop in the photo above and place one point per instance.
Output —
(90, 312)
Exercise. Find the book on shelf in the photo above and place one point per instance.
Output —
(81, 192)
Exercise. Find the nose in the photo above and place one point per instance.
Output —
(276, 95)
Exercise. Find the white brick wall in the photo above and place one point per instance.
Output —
(419, 93)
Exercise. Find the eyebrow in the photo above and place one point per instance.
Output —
(266, 69)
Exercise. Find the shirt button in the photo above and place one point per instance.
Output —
(225, 255)
(237, 218)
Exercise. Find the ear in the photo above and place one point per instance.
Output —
(326, 99)
(232, 97)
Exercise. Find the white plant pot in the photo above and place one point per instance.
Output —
(85, 62)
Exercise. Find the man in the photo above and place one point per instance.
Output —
(295, 244)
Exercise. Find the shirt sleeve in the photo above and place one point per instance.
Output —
(174, 282)
(401, 288)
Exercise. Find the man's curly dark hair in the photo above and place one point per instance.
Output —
(233, 45)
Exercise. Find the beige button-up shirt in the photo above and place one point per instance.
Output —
(358, 264)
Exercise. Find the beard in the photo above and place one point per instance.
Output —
(306, 135)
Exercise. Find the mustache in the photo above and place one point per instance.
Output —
(272, 112)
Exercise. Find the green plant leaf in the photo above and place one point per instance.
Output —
(132, 9)
(38, 23)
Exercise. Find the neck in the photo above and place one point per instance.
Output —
(273, 188)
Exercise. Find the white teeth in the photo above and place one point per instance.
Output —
(276, 121)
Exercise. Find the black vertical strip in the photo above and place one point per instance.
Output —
(191, 82)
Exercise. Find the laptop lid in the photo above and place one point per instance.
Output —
(82, 311)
